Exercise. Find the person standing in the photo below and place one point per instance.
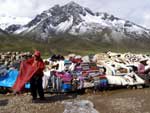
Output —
(31, 70)
(36, 80)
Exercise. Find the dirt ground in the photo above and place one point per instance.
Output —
(116, 101)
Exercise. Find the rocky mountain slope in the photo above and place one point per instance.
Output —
(75, 20)
(2, 32)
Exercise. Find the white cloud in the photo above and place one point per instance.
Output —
(146, 19)
(134, 10)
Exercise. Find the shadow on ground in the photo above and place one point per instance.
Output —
(3, 102)
(55, 98)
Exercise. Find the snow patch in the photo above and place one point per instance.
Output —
(6, 21)
(135, 28)
(118, 23)
(28, 29)
(63, 26)
(20, 30)
(93, 19)
(84, 28)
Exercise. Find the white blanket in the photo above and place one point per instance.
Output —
(125, 80)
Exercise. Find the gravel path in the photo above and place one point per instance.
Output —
(117, 101)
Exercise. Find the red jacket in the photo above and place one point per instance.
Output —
(27, 70)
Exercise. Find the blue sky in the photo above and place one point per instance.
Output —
(137, 11)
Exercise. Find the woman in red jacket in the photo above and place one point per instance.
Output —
(31, 70)
(36, 80)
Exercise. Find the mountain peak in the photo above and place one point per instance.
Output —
(74, 19)
(72, 8)
(73, 4)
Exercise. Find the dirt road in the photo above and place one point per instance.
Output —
(117, 101)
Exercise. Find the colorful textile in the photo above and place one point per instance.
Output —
(141, 68)
(9, 79)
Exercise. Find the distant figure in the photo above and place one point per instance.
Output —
(53, 58)
(61, 64)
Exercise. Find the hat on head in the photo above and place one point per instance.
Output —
(37, 53)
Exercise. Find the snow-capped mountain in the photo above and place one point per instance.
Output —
(6, 21)
(75, 20)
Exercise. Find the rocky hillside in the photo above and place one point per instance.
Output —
(2, 32)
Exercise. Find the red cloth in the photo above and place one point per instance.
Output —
(27, 70)
(76, 60)
(102, 77)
